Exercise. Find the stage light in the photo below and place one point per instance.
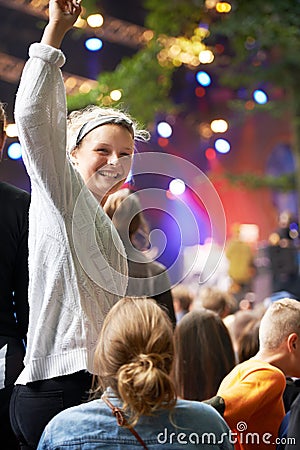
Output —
(206, 56)
(164, 129)
(163, 142)
(14, 151)
(210, 154)
(11, 130)
(222, 146)
(116, 95)
(203, 78)
(223, 7)
(95, 20)
(260, 97)
(219, 126)
(200, 91)
(93, 44)
(177, 186)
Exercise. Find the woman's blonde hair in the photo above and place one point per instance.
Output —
(77, 119)
(134, 357)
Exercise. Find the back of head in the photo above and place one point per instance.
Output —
(248, 342)
(280, 320)
(124, 209)
(182, 295)
(203, 355)
(134, 356)
(218, 301)
(241, 319)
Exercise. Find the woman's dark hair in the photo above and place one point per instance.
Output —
(248, 342)
(204, 355)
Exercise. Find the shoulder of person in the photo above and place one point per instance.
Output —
(13, 199)
(196, 409)
(14, 191)
(263, 371)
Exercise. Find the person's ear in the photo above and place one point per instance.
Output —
(73, 156)
(292, 341)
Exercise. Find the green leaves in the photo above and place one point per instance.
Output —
(144, 85)
(283, 183)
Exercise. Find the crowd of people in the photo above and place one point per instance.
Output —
(97, 350)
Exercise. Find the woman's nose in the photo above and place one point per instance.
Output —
(113, 158)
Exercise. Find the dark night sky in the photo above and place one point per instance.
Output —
(18, 30)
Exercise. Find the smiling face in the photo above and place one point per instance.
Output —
(103, 158)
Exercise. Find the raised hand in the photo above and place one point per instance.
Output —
(62, 16)
(64, 10)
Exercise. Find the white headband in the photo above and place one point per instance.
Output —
(91, 125)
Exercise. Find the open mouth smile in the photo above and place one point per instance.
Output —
(108, 174)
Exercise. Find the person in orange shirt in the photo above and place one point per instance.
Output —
(253, 390)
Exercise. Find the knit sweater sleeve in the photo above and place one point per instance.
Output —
(40, 113)
(58, 191)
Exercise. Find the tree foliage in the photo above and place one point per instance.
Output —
(145, 83)
(262, 40)
(262, 50)
(142, 94)
(283, 183)
(264, 37)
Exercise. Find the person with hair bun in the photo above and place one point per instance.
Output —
(138, 405)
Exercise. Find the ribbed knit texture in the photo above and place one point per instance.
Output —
(77, 263)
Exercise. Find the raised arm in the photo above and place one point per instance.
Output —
(40, 108)
(62, 16)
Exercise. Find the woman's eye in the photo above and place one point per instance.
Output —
(102, 150)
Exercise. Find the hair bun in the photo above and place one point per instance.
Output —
(145, 385)
(152, 361)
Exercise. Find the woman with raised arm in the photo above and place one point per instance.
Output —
(138, 408)
(77, 264)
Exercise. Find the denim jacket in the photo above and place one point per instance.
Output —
(91, 426)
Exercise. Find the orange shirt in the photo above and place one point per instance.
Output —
(254, 407)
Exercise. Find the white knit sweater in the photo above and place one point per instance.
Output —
(77, 263)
